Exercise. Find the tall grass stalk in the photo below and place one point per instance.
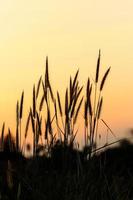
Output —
(93, 115)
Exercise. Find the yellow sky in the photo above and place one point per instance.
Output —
(70, 33)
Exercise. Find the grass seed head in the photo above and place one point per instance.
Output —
(97, 68)
(104, 78)
(21, 105)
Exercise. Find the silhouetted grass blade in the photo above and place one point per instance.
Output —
(104, 78)
(98, 66)
(21, 105)
(34, 102)
(59, 103)
(78, 108)
(38, 87)
(2, 137)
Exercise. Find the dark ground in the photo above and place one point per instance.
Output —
(68, 175)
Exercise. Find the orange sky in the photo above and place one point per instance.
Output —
(70, 33)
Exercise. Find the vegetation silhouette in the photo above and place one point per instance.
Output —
(57, 168)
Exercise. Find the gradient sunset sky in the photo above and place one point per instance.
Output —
(71, 33)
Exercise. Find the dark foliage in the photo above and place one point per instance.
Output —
(68, 174)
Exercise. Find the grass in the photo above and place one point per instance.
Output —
(58, 169)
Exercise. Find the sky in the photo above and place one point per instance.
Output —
(70, 33)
